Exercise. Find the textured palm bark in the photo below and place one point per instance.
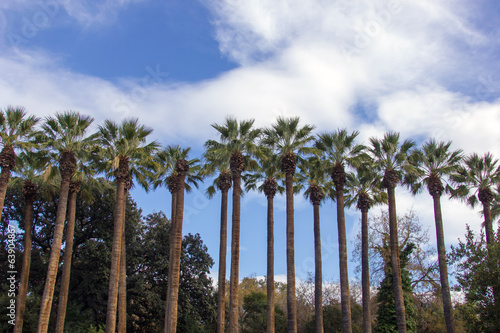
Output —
(114, 274)
(291, 299)
(68, 254)
(55, 252)
(318, 272)
(490, 236)
(443, 267)
(270, 265)
(221, 295)
(235, 256)
(122, 283)
(365, 273)
(173, 293)
(170, 256)
(344, 279)
(7, 163)
(396, 264)
(25, 270)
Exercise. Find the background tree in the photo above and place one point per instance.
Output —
(268, 172)
(16, 132)
(475, 180)
(236, 144)
(64, 135)
(366, 190)
(255, 314)
(391, 161)
(290, 142)
(341, 149)
(433, 162)
(125, 150)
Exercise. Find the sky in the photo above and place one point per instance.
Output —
(426, 68)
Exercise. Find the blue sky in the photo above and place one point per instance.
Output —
(425, 68)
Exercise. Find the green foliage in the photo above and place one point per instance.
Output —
(386, 315)
(332, 319)
(255, 314)
(478, 277)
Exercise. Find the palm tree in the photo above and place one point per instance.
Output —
(391, 162)
(125, 151)
(29, 176)
(290, 142)
(223, 183)
(65, 134)
(477, 176)
(365, 189)
(313, 172)
(83, 176)
(16, 130)
(175, 156)
(122, 280)
(236, 139)
(268, 172)
(434, 162)
(341, 149)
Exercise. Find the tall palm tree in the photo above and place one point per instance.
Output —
(341, 149)
(236, 140)
(268, 172)
(313, 173)
(223, 183)
(474, 181)
(30, 167)
(63, 134)
(83, 176)
(391, 162)
(433, 162)
(125, 152)
(16, 131)
(175, 156)
(365, 189)
(290, 142)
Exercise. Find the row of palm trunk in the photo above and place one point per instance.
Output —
(124, 152)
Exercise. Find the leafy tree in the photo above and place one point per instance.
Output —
(391, 162)
(255, 314)
(478, 277)
(16, 131)
(64, 135)
(333, 319)
(341, 150)
(433, 162)
(290, 142)
(386, 315)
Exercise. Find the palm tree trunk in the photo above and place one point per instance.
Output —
(170, 257)
(291, 300)
(443, 267)
(318, 274)
(25, 271)
(114, 274)
(122, 283)
(235, 256)
(344, 279)
(176, 259)
(488, 225)
(55, 252)
(221, 296)
(365, 273)
(270, 265)
(68, 253)
(4, 182)
(395, 261)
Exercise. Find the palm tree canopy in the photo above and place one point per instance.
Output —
(341, 147)
(433, 162)
(127, 141)
(314, 174)
(166, 158)
(16, 128)
(391, 155)
(477, 174)
(269, 168)
(285, 136)
(365, 182)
